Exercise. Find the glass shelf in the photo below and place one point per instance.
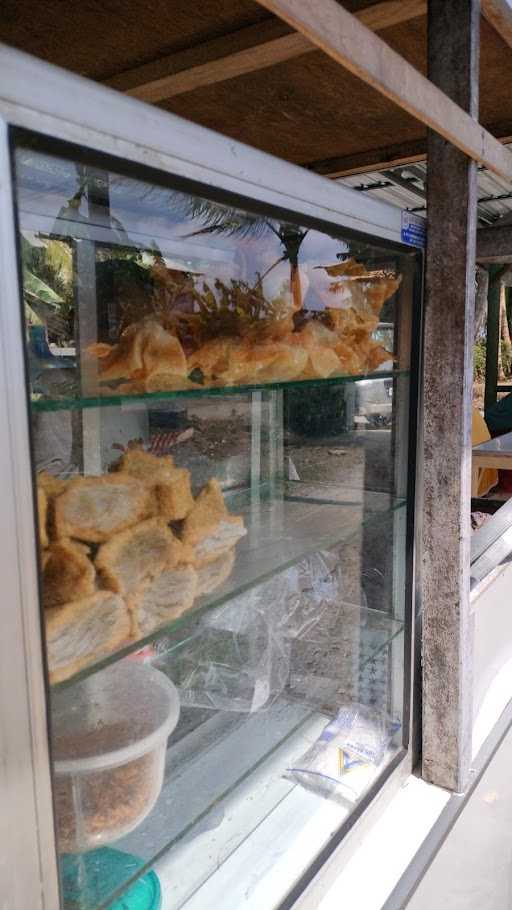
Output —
(68, 402)
(224, 777)
(284, 523)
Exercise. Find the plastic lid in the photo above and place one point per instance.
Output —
(103, 872)
(111, 718)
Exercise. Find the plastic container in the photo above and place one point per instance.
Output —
(90, 880)
(109, 741)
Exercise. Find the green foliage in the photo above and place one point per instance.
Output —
(479, 360)
(48, 286)
(506, 358)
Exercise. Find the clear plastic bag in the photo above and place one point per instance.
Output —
(344, 760)
(239, 657)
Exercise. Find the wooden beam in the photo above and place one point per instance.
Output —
(494, 244)
(403, 153)
(245, 51)
(453, 65)
(499, 14)
(355, 47)
(377, 159)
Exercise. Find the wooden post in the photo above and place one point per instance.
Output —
(493, 341)
(453, 58)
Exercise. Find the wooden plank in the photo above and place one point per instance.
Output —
(402, 153)
(494, 244)
(363, 53)
(453, 58)
(256, 47)
(499, 14)
(377, 159)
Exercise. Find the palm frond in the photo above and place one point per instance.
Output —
(38, 289)
(218, 218)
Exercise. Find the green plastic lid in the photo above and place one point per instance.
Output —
(89, 878)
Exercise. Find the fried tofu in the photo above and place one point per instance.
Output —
(209, 528)
(84, 631)
(163, 599)
(213, 574)
(133, 556)
(95, 508)
(68, 573)
(145, 466)
(172, 487)
(174, 497)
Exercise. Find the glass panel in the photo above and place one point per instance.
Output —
(219, 403)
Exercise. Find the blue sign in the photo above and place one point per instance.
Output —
(414, 229)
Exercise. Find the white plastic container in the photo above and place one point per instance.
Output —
(109, 737)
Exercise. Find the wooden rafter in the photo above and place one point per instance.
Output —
(379, 159)
(499, 14)
(340, 35)
(245, 51)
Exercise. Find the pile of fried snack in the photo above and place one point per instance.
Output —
(234, 336)
(126, 552)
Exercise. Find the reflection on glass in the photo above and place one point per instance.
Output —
(191, 293)
(219, 408)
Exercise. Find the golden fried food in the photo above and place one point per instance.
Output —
(379, 291)
(163, 598)
(233, 362)
(146, 467)
(376, 356)
(208, 510)
(322, 363)
(174, 496)
(348, 267)
(52, 486)
(348, 285)
(68, 573)
(214, 357)
(42, 515)
(213, 574)
(133, 556)
(270, 361)
(238, 336)
(349, 358)
(209, 528)
(95, 508)
(318, 341)
(173, 493)
(144, 348)
(84, 631)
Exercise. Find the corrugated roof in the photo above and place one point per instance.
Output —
(405, 187)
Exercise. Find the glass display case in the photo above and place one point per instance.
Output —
(222, 396)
